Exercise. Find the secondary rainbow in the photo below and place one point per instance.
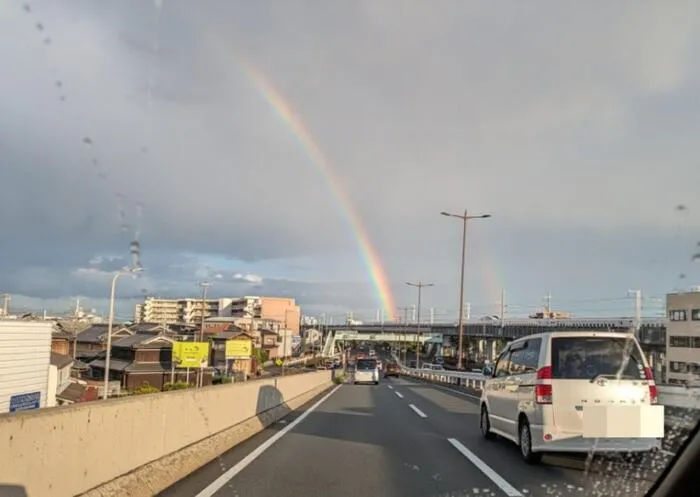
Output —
(296, 126)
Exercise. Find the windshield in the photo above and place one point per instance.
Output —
(576, 358)
(225, 221)
(366, 364)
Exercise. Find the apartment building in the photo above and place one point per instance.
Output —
(280, 309)
(174, 311)
(683, 336)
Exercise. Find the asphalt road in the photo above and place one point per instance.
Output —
(402, 439)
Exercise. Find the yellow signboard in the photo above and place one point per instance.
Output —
(239, 349)
(191, 354)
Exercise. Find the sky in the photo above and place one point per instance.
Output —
(307, 148)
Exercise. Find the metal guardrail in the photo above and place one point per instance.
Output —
(688, 398)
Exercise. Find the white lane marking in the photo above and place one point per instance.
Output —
(390, 387)
(398, 394)
(418, 411)
(441, 387)
(222, 480)
(509, 489)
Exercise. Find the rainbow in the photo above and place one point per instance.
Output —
(367, 251)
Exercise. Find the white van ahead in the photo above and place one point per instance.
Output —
(366, 371)
(572, 391)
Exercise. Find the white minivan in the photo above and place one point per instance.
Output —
(366, 371)
(572, 391)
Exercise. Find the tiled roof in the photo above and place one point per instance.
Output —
(73, 392)
(145, 341)
(97, 333)
(60, 360)
(114, 364)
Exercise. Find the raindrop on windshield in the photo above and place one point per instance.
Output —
(87, 140)
(39, 26)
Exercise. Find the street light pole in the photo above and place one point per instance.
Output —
(205, 287)
(420, 285)
(110, 324)
(464, 217)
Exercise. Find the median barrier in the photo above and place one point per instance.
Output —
(140, 445)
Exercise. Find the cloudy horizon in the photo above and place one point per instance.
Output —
(573, 125)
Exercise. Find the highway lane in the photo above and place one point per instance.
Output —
(362, 440)
(456, 414)
(400, 438)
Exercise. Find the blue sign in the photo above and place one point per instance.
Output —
(25, 401)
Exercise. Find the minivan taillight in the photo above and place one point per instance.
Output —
(653, 392)
(543, 387)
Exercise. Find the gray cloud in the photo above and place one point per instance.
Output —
(579, 141)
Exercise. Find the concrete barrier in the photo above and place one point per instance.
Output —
(140, 445)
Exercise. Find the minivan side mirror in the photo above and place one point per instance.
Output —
(487, 371)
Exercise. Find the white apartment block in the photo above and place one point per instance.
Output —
(174, 311)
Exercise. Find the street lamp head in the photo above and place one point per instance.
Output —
(443, 213)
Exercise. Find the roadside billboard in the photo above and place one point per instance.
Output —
(239, 349)
(190, 354)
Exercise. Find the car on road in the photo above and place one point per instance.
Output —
(392, 369)
(575, 392)
(366, 371)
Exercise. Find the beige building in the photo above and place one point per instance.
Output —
(683, 336)
(280, 309)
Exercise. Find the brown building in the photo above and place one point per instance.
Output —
(683, 337)
(144, 358)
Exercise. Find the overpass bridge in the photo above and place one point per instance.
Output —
(652, 331)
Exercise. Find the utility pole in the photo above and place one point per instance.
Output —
(548, 305)
(432, 316)
(420, 285)
(464, 217)
(405, 324)
(503, 305)
(205, 286)
(637, 294)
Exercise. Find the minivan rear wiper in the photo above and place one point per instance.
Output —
(609, 376)
(612, 377)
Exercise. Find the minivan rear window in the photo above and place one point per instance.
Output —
(575, 358)
(366, 364)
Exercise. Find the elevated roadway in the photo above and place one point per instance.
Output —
(401, 438)
(652, 331)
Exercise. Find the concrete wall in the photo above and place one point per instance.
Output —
(69, 450)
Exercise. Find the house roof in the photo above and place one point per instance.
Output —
(145, 341)
(97, 333)
(73, 392)
(114, 364)
(60, 361)
(232, 335)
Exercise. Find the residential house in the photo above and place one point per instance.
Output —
(144, 358)
(59, 376)
(91, 342)
(61, 342)
(218, 352)
(77, 391)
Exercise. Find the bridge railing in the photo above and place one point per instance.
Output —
(672, 396)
